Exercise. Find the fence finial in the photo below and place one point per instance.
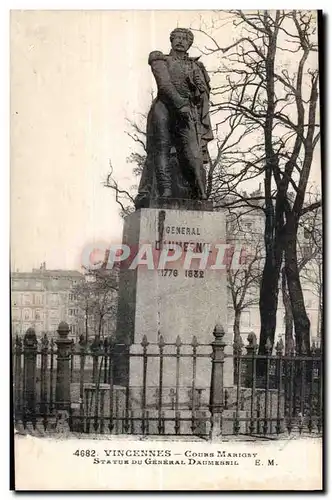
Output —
(30, 338)
(63, 329)
(144, 342)
(178, 342)
(161, 341)
(252, 339)
(268, 345)
(291, 347)
(219, 331)
(194, 342)
(279, 347)
(44, 342)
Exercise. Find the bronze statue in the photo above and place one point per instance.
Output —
(178, 125)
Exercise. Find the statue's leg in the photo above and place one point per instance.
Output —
(190, 157)
(161, 145)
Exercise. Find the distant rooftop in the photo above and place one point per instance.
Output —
(42, 272)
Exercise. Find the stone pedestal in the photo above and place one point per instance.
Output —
(180, 300)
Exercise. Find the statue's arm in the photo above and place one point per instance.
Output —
(166, 89)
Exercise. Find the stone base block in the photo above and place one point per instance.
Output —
(176, 300)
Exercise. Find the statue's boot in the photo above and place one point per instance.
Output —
(164, 178)
(142, 200)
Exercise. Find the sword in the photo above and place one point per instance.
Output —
(198, 165)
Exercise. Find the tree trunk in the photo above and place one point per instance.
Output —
(289, 341)
(236, 324)
(86, 327)
(268, 300)
(100, 325)
(301, 320)
(237, 345)
(269, 290)
(320, 329)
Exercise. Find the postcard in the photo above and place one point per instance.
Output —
(166, 250)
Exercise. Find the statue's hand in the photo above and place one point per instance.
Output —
(197, 77)
(184, 112)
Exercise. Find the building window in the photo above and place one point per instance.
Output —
(16, 329)
(53, 299)
(26, 314)
(15, 299)
(27, 299)
(54, 314)
(245, 319)
(16, 313)
(38, 299)
(73, 312)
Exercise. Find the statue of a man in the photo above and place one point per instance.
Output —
(178, 120)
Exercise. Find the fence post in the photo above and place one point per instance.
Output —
(62, 390)
(318, 353)
(30, 359)
(251, 349)
(43, 379)
(18, 378)
(237, 353)
(217, 381)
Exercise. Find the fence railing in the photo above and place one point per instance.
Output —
(82, 387)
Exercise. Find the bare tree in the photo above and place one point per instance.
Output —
(309, 250)
(97, 300)
(269, 82)
(125, 197)
(243, 282)
(311, 257)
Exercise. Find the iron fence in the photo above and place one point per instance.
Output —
(165, 388)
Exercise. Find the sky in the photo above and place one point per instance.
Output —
(75, 78)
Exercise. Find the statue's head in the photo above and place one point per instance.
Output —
(181, 39)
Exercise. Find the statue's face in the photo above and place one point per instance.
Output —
(180, 42)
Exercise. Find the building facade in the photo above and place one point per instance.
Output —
(42, 298)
